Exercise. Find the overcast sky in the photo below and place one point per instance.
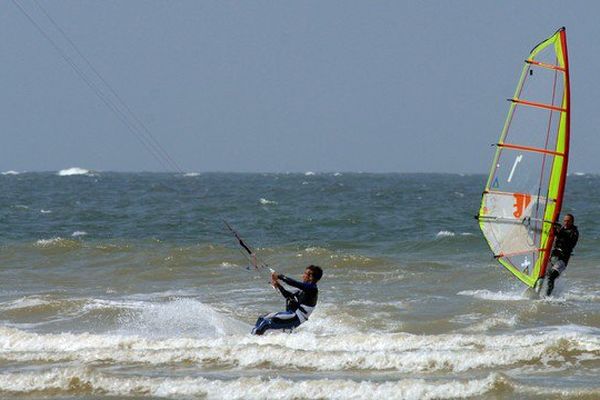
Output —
(378, 86)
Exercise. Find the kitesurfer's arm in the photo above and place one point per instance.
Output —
(285, 293)
(306, 286)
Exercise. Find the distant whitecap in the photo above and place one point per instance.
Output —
(45, 211)
(73, 171)
(442, 234)
(337, 174)
(266, 202)
(315, 250)
(78, 233)
(309, 173)
(49, 242)
(226, 264)
(11, 172)
(191, 174)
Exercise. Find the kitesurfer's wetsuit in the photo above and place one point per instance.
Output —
(299, 304)
(566, 239)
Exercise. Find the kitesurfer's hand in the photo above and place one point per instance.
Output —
(274, 278)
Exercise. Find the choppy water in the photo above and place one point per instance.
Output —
(127, 285)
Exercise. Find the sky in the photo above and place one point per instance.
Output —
(273, 86)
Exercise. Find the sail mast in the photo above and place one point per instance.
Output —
(567, 132)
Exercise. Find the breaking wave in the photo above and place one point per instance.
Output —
(78, 380)
(401, 352)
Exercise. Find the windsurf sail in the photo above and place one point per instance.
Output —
(524, 191)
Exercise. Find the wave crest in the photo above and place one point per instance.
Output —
(79, 380)
(344, 351)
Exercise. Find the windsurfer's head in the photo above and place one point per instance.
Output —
(312, 273)
(568, 220)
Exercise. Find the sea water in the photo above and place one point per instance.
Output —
(118, 285)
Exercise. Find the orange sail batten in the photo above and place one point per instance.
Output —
(538, 105)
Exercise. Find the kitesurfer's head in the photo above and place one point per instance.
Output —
(568, 220)
(312, 273)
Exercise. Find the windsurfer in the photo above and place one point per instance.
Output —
(299, 303)
(566, 239)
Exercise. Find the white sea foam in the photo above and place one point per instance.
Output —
(316, 250)
(266, 202)
(404, 353)
(183, 317)
(11, 172)
(98, 304)
(191, 174)
(85, 380)
(46, 211)
(442, 234)
(377, 304)
(337, 174)
(49, 242)
(226, 264)
(494, 322)
(24, 302)
(578, 296)
(309, 173)
(485, 294)
(73, 171)
(78, 233)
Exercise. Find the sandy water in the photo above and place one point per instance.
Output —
(127, 285)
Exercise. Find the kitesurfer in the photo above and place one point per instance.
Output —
(566, 237)
(299, 303)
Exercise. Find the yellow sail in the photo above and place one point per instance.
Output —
(523, 194)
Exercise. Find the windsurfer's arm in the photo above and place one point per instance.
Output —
(556, 226)
(574, 238)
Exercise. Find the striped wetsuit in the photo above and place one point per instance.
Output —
(299, 304)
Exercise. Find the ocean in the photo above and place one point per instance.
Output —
(128, 285)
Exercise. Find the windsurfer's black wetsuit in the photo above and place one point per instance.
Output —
(565, 242)
(299, 304)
